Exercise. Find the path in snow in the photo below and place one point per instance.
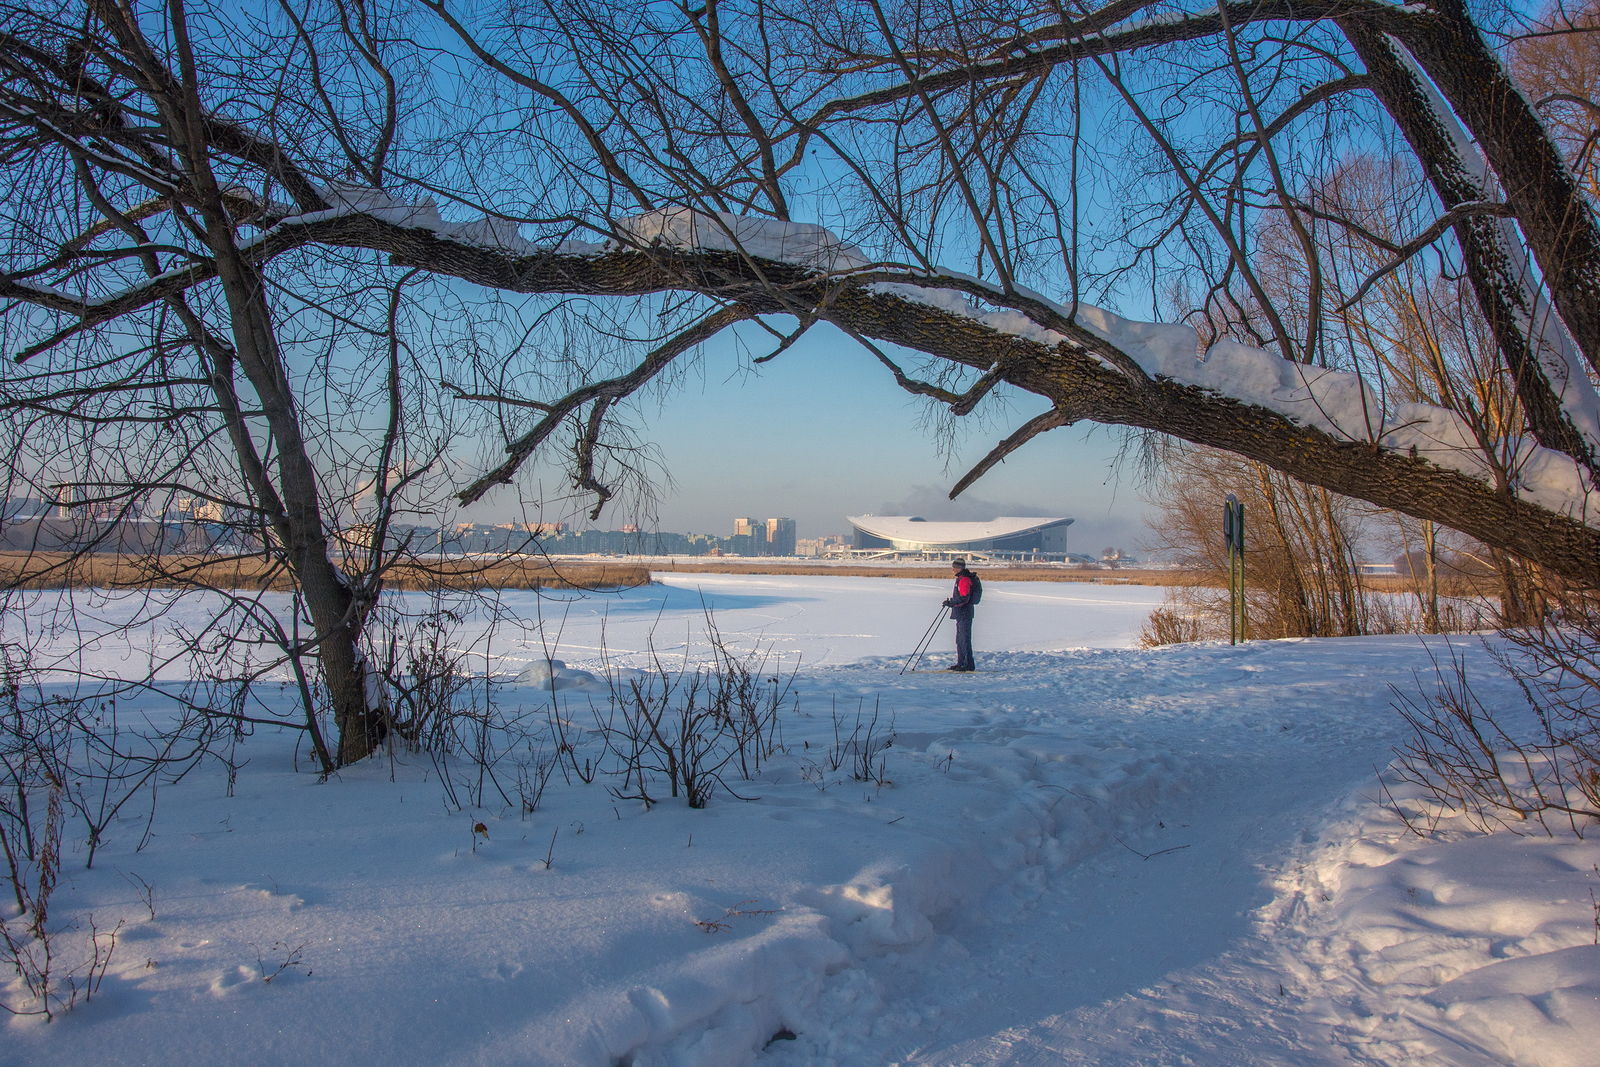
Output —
(1115, 957)
(1088, 853)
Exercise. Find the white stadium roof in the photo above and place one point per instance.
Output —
(913, 529)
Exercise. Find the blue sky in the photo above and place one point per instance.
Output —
(823, 432)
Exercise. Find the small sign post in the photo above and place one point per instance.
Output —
(1233, 535)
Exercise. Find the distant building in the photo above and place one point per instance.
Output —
(818, 546)
(768, 537)
(194, 509)
(780, 537)
(746, 544)
(23, 507)
(999, 538)
(763, 537)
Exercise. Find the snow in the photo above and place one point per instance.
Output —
(763, 238)
(1084, 853)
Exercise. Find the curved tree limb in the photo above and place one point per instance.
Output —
(1035, 426)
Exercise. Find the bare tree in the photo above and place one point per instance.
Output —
(287, 412)
(207, 201)
(1302, 579)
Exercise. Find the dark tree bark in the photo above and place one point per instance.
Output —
(1559, 225)
(1500, 292)
(213, 180)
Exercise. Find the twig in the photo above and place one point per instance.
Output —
(1147, 855)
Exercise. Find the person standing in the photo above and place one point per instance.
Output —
(967, 592)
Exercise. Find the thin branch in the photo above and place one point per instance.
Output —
(1035, 426)
(605, 392)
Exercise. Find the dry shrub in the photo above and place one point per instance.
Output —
(52, 767)
(1170, 626)
(693, 726)
(1301, 573)
(1498, 767)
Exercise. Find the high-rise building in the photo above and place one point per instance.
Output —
(780, 537)
(743, 527)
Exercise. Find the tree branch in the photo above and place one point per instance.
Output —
(603, 394)
(1035, 426)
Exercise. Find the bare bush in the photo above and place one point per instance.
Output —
(671, 728)
(692, 726)
(868, 743)
(1170, 626)
(863, 747)
(30, 946)
(1503, 770)
(532, 775)
(81, 749)
(428, 684)
(1302, 571)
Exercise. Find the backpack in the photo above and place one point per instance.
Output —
(977, 588)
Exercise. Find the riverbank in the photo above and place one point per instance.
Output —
(62, 570)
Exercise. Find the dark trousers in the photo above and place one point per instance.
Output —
(964, 641)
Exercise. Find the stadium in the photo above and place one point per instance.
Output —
(1002, 538)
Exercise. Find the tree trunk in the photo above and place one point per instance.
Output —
(336, 615)
(1497, 286)
(1559, 227)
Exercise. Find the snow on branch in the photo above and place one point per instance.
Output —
(1338, 403)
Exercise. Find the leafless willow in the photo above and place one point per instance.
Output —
(292, 257)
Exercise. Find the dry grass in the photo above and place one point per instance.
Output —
(1452, 586)
(56, 570)
(994, 572)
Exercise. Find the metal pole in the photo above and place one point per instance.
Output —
(1239, 555)
(1233, 536)
(927, 639)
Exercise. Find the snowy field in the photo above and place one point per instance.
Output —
(1084, 853)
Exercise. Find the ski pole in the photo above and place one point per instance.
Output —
(916, 652)
(932, 630)
(922, 645)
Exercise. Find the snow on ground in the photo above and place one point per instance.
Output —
(1084, 853)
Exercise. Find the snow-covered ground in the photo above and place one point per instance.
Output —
(1084, 853)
